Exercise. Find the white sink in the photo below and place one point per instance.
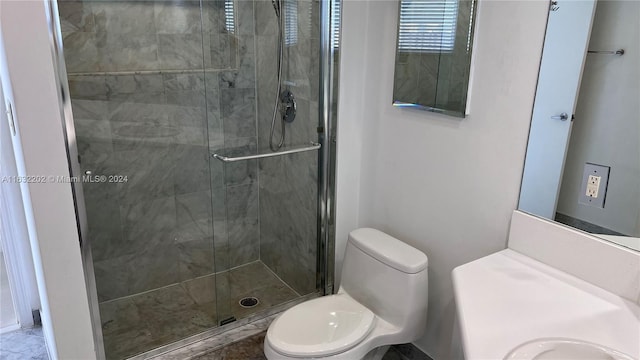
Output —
(512, 307)
(564, 349)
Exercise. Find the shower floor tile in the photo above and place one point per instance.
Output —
(256, 280)
(141, 322)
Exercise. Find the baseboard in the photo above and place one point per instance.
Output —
(9, 328)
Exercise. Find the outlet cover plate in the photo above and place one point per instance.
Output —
(600, 171)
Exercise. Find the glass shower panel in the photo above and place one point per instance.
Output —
(230, 83)
(288, 184)
(265, 230)
(136, 72)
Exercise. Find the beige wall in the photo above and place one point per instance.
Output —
(444, 185)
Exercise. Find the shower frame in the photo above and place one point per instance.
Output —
(325, 194)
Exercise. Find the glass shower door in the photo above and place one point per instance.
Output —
(136, 72)
(182, 242)
(265, 210)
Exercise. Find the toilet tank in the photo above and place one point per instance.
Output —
(387, 276)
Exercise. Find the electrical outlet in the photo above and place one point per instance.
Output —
(594, 185)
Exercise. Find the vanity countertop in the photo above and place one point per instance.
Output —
(506, 299)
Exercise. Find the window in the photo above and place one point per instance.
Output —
(229, 16)
(290, 22)
(335, 24)
(427, 25)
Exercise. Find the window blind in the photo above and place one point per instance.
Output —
(427, 25)
(335, 23)
(290, 22)
(229, 16)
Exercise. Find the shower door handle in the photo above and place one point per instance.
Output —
(226, 159)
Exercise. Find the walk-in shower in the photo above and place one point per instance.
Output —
(203, 226)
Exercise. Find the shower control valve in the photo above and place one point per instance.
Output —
(287, 106)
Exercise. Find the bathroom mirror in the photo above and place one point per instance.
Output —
(582, 166)
(433, 55)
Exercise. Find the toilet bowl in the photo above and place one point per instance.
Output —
(382, 300)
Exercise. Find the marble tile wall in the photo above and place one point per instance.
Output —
(155, 229)
(156, 87)
(288, 184)
(139, 35)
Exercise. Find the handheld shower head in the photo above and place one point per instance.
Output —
(276, 6)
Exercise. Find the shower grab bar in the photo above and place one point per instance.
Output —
(313, 146)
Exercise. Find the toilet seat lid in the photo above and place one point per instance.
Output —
(321, 327)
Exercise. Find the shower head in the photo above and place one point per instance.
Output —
(276, 6)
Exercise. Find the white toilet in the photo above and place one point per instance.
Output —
(382, 301)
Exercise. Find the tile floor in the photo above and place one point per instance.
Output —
(23, 344)
(139, 323)
(251, 349)
(7, 312)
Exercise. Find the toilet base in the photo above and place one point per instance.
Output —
(373, 354)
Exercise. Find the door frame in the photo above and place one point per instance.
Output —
(540, 188)
(14, 236)
(60, 70)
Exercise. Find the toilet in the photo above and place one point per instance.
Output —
(382, 301)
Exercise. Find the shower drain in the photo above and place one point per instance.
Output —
(249, 302)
